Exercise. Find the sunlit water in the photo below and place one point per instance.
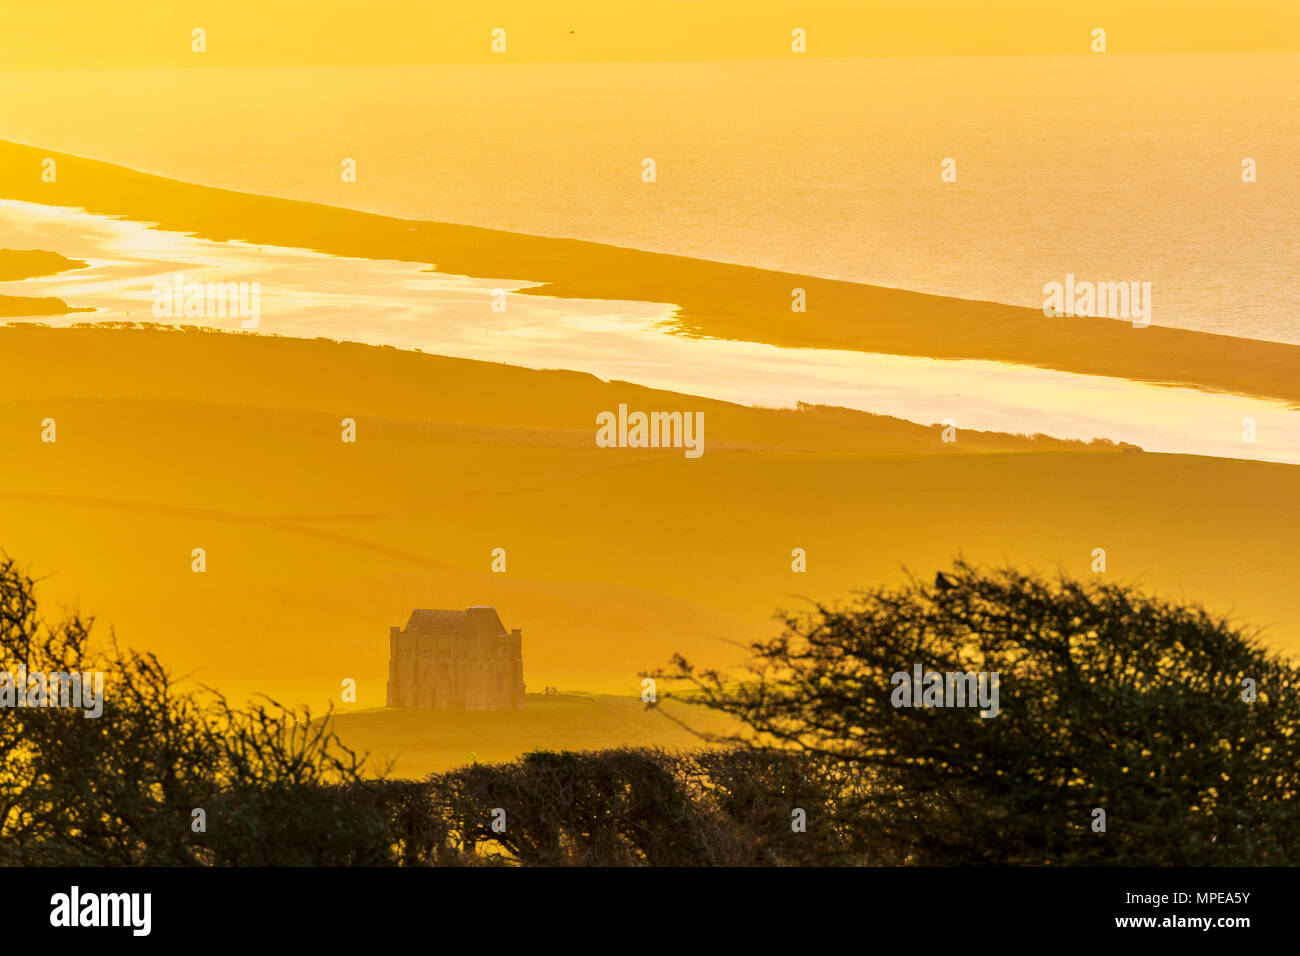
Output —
(308, 294)
(1114, 168)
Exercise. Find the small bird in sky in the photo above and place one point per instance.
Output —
(943, 583)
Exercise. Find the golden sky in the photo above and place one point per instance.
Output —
(131, 33)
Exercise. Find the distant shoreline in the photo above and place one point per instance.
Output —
(18, 264)
(712, 299)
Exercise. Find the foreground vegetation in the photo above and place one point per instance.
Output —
(1108, 700)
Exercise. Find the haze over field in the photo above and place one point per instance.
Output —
(616, 558)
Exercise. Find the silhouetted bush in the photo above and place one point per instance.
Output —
(1108, 699)
(122, 788)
